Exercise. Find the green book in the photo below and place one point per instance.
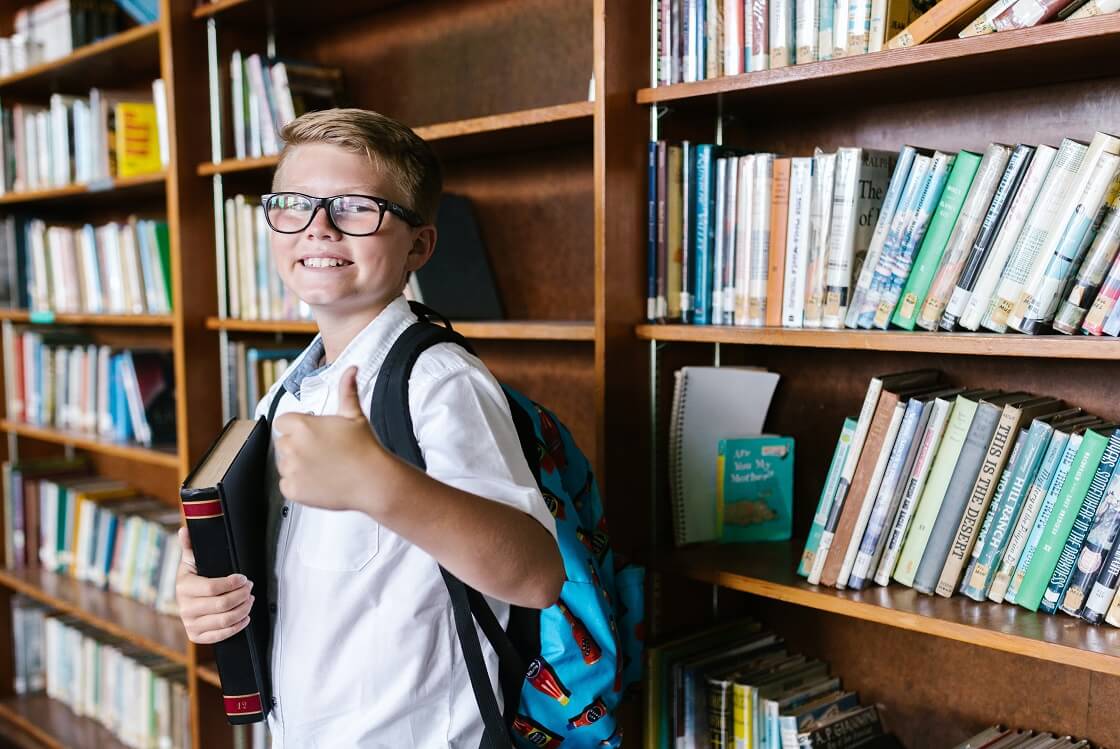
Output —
(937, 237)
(164, 245)
(824, 504)
(754, 493)
(1058, 526)
(929, 505)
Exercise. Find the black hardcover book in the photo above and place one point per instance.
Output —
(225, 502)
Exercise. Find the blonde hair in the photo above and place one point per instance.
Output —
(390, 147)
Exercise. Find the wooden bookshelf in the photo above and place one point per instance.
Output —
(972, 344)
(134, 453)
(102, 193)
(515, 330)
(768, 570)
(560, 123)
(115, 614)
(135, 50)
(285, 14)
(105, 321)
(53, 725)
(1053, 52)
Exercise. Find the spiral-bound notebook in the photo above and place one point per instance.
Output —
(709, 404)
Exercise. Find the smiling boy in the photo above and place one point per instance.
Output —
(364, 652)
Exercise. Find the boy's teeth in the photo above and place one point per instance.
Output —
(323, 262)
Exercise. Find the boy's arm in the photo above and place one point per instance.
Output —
(335, 462)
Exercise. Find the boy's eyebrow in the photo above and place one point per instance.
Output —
(363, 189)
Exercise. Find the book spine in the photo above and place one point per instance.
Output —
(1103, 591)
(1023, 14)
(725, 281)
(823, 174)
(807, 32)
(964, 233)
(957, 494)
(1112, 322)
(1082, 294)
(1066, 508)
(1096, 8)
(719, 241)
(859, 26)
(781, 33)
(838, 264)
(1094, 555)
(840, 9)
(662, 306)
(884, 506)
(824, 504)
(674, 249)
(980, 302)
(909, 170)
(760, 239)
(915, 483)
(978, 500)
(1035, 233)
(651, 232)
(825, 33)
(733, 37)
(1042, 522)
(1038, 303)
(779, 225)
(900, 267)
(1071, 550)
(997, 212)
(797, 242)
(1004, 512)
(1032, 503)
(928, 259)
(760, 35)
(712, 38)
(688, 221)
(982, 24)
(744, 228)
(993, 510)
(703, 236)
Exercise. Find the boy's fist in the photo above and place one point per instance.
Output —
(325, 461)
(212, 609)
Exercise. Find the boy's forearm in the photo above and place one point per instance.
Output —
(490, 546)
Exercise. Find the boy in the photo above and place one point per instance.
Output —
(364, 649)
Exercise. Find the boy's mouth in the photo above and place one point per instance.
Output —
(324, 262)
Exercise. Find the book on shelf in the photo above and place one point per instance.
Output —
(1010, 497)
(754, 489)
(52, 29)
(140, 698)
(251, 371)
(225, 503)
(1003, 737)
(254, 290)
(709, 404)
(1023, 238)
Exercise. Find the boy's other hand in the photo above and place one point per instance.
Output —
(324, 461)
(212, 609)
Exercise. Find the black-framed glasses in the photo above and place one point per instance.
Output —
(355, 215)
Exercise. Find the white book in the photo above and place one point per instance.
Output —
(725, 281)
(760, 55)
(760, 239)
(732, 37)
(719, 252)
(237, 104)
(981, 300)
(877, 28)
(839, 28)
(283, 93)
(104, 417)
(743, 229)
(824, 168)
(133, 283)
(159, 99)
(982, 24)
(807, 31)
(797, 241)
(233, 286)
(859, 26)
(1096, 8)
(782, 48)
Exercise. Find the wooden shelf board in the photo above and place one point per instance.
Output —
(122, 321)
(1052, 52)
(134, 50)
(545, 126)
(978, 344)
(105, 192)
(164, 458)
(54, 725)
(768, 570)
(110, 612)
(208, 673)
(285, 13)
(523, 330)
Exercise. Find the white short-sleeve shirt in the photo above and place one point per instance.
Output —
(364, 650)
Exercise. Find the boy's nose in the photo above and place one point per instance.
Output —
(321, 226)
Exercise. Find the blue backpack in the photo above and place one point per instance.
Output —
(563, 670)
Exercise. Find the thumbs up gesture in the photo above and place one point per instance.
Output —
(328, 461)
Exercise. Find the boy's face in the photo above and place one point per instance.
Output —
(373, 268)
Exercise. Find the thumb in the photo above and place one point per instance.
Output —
(348, 403)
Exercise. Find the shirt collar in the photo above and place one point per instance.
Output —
(366, 351)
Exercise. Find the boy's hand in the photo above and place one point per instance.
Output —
(324, 461)
(212, 609)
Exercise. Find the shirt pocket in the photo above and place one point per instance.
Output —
(338, 541)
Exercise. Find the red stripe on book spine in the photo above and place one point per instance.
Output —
(246, 704)
(207, 508)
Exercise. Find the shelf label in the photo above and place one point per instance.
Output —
(42, 317)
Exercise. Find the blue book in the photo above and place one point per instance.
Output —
(703, 235)
(824, 504)
(754, 489)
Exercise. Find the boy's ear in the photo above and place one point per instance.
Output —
(423, 245)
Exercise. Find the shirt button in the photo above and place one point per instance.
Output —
(284, 511)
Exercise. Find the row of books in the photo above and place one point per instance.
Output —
(704, 39)
(117, 268)
(254, 288)
(54, 28)
(250, 372)
(99, 531)
(1002, 737)
(737, 685)
(1023, 238)
(139, 697)
(83, 140)
(62, 381)
(252, 736)
(1008, 497)
(266, 94)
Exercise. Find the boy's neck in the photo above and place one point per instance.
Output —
(337, 329)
